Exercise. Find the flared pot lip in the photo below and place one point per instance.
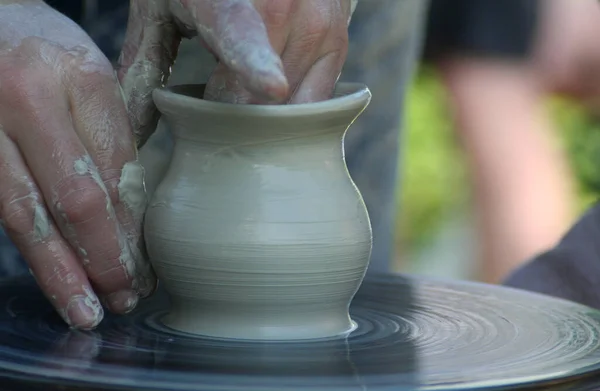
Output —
(348, 96)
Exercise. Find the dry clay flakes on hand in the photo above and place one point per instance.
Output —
(270, 51)
(72, 190)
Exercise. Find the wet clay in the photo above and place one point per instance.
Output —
(257, 230)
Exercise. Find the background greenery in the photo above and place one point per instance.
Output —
(433, 178)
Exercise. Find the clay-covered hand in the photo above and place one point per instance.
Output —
(71, 191)
(269, 51)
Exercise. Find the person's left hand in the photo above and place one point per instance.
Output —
(269, 51)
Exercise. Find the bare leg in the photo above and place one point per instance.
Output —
(521, 183)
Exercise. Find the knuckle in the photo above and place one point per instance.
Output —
(61, 275)
(86, 84)
(278, 13)
(114, 277)
(314, 32)
(112, 185)
(80, 204)
(27, 88)
(16, 83)
(309, 41)
(13, 80)
(110, 275)
(319, 24)
(84, 60)
(17, 216)
(339, 45)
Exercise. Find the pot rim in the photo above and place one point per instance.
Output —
(347, 96)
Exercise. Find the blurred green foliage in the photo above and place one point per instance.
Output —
(432, 176)
(433, 180)
(579, 132)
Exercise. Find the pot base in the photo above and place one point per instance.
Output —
(275, 325)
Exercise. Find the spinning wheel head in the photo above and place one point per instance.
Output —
(411, 334)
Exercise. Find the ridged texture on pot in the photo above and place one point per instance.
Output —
(257, 230)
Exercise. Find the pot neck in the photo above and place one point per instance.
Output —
(194, 119)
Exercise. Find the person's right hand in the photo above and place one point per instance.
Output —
(71, 191)
(269, 51)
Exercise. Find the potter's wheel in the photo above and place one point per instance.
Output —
(412, 334)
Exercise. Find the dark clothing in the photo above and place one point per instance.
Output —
(73, 9)
(84, 10)
(490, 28)
(104, 20)
(571, 270)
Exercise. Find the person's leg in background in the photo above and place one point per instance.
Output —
(520, 180)
(385, 43)
(567, 53)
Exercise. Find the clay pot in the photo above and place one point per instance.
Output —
(257, 230)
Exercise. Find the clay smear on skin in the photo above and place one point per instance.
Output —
(132, 193)
(131, 189)
(70, 232)
(21, 22)
(85, 166)
(41, 231)
(140, 75)
(89, 300)
(41, 226)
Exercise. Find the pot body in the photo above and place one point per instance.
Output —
(257, 230)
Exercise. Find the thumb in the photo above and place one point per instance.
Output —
(148, 52)
(236, 33)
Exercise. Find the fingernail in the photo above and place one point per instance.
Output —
(268, 78)
(84, 313)
(275, 84)
(146, 284)
(122, 302)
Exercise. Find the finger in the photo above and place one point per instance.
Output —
(236, 33)
(276, 16)
(149, 50)
(100, 119)
(50, 258)
(319, 82)
(317, 51)
(306, 42)
(70, 183)
(224, 84)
